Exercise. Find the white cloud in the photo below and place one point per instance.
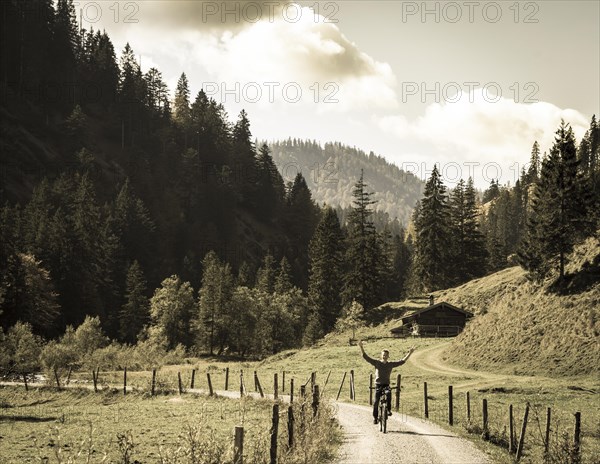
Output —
(310, 54)
(475, 130)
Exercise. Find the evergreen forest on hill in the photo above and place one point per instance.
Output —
(132, 216)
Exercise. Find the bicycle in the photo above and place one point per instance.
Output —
(382, 411)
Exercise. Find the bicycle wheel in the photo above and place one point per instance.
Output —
(381, 415)
(384, 417)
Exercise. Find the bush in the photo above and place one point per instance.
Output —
(20, 352)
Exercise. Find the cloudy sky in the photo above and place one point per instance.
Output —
(468, 85)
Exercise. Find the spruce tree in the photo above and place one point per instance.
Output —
(559, 210)
(363, 280)
(135, 313)
(265, 277)
(215, 297)
(433, 253)
(283, 283)
(326, 255)
(181, 105)
(533, 172)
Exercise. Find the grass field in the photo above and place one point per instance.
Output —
(162, 422)
(74, 425)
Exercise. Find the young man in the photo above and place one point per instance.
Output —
(383, 370)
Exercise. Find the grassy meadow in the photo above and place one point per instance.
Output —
(76, 425)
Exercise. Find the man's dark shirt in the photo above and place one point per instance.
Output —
(383, 369)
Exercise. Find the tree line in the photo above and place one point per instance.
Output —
(536, 223)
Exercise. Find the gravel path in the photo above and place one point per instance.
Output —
(408, 440)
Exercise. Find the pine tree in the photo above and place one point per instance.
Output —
(270, 186)
(533, 172)
(135, 313)
(474, 245)
(432, 261)
(283, 283)
(214, 301)
(492, 192)
(265, 277)
(181, 105)
(558, 210)
(300, 220)
(363, 280)
(244, 153)
(325, 274)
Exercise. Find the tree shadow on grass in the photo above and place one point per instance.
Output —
(578, 282)
(27, 419)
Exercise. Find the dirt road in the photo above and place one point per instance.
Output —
(408, 440)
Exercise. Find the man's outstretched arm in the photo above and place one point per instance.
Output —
(365, 355)
(405, 358)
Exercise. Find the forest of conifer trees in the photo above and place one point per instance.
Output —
(157, 221)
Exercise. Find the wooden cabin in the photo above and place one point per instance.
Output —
(436, 320)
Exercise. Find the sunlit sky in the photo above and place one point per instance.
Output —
(468, 85)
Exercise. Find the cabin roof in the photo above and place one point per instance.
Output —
(411, 314)
(441, 304)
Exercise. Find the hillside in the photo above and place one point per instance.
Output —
(332, 170)
(527, 328)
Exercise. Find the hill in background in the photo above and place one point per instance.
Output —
(332, 170)
(529, 328)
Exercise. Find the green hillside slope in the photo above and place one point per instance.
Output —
(528, 328)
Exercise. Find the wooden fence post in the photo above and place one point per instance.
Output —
(398, 386)
(468, 407)
(371, 389)
(56, 377)
(193, 379)
(450, 406)
(238, 446)
(180, 386)
(291, 390)
(282, 381)
(95, 380)
(98, 374)
(241, 383)
(275, 386)
(315, 400)
(290, 425)
(226, 378)
(125, 380)
(25, 380)
(153, 386)
(257, 382)
(210, 388)
(274, 431)
(576, 455)
(313, 380)
(69, 375)
(522, 437)
(425, 400)
(352, 392)
(547, 441)
(326, 381)
(486, 432)
(511, 430)
(341, 385)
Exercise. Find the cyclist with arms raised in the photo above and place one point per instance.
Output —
(383, 370)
